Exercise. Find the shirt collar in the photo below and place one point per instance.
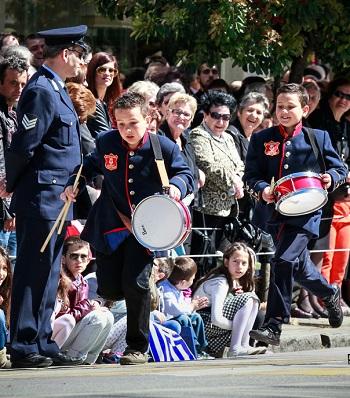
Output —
(140, 144)
(285, 134)
(55, 75)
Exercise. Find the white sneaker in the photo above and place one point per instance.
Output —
(246, 351)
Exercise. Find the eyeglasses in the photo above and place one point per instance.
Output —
(76, 256)
(342, 95)
(101, 70)
(217, 116)
(179, 113)
(208, 70)
(80, 54)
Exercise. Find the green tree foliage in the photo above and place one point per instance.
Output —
(264, 36)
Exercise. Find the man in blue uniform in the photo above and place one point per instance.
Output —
(43, 153)
(275, 153)
(126, 160)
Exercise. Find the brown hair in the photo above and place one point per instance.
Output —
(72, 241)
(294, 88)
(246, 281)
(164, 265)
(184, 269)
(6, 286)
(83, 100)
(114, 90)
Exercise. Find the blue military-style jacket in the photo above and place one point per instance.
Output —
(270, 155)
(129, 177)
(45, 148)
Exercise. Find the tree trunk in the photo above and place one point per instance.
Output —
(298, 66)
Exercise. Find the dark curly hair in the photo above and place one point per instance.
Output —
(12, 62)
(217, 98)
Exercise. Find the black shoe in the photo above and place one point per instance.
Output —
(333, 305)
(266, 334)
(65, 360)
(32, 361)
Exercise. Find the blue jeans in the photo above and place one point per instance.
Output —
(8, 241)
(195, 322)
(3, 330)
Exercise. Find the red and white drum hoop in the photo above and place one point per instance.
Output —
(160, 222)
(299, 193)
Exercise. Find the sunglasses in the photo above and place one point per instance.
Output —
(208, 70)
(342, 95)
(179, 113)
(76, 256)
(80, 55)
(101, 70)
(217, 116)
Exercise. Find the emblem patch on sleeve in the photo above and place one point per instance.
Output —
(111, 162)
(29, 121)
(272, 148)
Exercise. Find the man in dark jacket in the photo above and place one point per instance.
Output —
(13, 78)
(44, 151)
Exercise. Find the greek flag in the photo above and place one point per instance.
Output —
(167, 346)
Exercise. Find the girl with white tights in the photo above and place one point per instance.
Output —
(233, 304)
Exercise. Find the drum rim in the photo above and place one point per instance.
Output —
(180, 237)
(298, 192)
(299, 174)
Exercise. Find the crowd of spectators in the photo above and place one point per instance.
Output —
(212, 121)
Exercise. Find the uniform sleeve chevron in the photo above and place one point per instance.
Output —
(29, 123)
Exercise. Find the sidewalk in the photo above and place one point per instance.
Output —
(312, 334)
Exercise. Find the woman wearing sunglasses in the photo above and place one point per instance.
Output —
(217, 156)
(103, 80)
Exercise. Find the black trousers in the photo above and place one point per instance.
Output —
(292, 263)
(125, 274)
(34, 288)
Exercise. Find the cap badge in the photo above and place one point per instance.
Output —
(111, 162)
(272, 148)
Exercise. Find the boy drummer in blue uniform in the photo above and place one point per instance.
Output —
(126, 160)
(274, 153)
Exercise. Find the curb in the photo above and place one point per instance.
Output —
(303, 335)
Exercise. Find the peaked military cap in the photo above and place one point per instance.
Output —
(73, 35)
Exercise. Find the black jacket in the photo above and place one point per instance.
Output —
(8, 125)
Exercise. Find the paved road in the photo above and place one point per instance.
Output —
(321, 373)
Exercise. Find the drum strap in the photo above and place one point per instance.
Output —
(315, 148)
(157, 150)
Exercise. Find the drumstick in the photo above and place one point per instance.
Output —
(272, 184)
(43, 247)
(69, 201)
(63, 210)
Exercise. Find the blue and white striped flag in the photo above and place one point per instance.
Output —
(167, 346)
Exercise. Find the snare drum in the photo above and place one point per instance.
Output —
(160, 222)
(299, 193)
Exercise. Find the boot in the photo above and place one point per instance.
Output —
(4, 362)
(305, 305)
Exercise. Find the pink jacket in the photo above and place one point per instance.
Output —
(78, 299)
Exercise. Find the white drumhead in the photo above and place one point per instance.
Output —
(302, 202)
(158, 223)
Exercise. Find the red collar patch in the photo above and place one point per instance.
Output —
(111, 162)
(272, 148)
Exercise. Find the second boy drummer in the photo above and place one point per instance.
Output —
(274, 153)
